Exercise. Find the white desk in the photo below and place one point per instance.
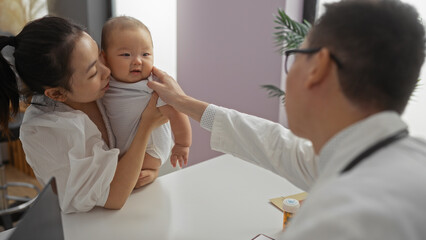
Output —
(222, 198)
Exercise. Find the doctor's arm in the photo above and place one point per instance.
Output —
(251, 138)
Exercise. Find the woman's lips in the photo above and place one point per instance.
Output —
(106, 87)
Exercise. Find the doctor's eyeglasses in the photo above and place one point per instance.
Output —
(290, 57)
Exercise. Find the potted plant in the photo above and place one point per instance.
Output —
(289, 35)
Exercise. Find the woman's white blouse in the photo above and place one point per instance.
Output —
(64, 143)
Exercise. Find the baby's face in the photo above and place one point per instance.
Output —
(130, 54)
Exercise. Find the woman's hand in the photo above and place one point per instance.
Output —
(146, 177)
(151, 116)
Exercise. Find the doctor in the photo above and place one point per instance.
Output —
(346, 90)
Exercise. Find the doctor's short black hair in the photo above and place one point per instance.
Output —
(381, 46)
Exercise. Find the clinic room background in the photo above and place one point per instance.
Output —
(219, 51)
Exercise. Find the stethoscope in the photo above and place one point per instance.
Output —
(381, 144)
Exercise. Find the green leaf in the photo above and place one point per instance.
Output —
(290, 34)
(274, 91)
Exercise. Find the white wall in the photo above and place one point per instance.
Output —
(415, 113)
(294, 9)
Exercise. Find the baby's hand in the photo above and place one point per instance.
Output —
(179, 153)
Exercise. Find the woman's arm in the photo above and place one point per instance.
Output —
(130, 165)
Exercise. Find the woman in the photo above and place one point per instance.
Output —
(65, 133)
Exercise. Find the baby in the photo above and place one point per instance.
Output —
(128, 51)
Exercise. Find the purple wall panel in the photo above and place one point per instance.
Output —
(225, 52)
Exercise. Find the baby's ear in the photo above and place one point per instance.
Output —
(56, 93)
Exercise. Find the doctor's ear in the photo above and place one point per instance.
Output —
(57, 93)
(320, 67)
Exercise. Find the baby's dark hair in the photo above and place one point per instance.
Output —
(121, 23)
(42, 59)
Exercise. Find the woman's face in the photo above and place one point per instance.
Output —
(90, 77)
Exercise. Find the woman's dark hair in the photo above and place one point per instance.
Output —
(381, 46)
(42, 59)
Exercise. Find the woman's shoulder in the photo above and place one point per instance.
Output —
(50, 114)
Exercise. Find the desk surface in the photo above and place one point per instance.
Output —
(222, 198)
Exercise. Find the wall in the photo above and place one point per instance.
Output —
(89, 13)
(294, 9)
(225, 52)
(414, 114)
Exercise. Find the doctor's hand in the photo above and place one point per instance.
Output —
(171, 93)
(168, 89)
